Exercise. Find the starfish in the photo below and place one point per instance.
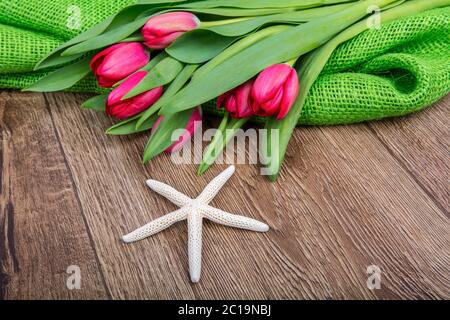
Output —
(194, 210)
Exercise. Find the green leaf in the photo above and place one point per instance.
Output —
(129, 126)
(226, 131)
(244, 27)
(258, 4)
(119, 27)
(54, 58)
(57, 60)
(97, 103)
(311, 67)
(199, 46)
(63, 78)
(111, 37)
(135, 37)
(126, 15)
(169, 2)
(162, 74)
(155, 60)
(237, 47)
(170, 91)
(161, 139)
(237, 12)
(249, 62)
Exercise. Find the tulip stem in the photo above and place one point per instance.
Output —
(292, 62)
(209, 24)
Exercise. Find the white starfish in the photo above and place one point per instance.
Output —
(194, 210)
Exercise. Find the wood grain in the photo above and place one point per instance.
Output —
(42, 232)
(421, 143)
(348, 197)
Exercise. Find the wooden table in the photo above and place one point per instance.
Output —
(349, 197)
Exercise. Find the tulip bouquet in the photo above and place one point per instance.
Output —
(160, 60)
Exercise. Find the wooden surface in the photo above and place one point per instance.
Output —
(348, 197)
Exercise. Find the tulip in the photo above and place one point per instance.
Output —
(192, 126)
(123, 109)
(162, 30)
(237, 102)
(275, 91)
(118, 61)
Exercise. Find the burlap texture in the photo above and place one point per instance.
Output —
(399, 69)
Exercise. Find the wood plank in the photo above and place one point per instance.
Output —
(422, 142)
(357, 207)
(343, 203)
(111, 184)
(42, 232)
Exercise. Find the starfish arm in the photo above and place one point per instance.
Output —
(233, 220)
(195, 245)
(156, 226)
(168, 192)
(213, 188)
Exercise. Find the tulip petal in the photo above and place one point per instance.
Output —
(124, 109)
(162, 30)
(193, 125)
(271, 107)
(147, 99)
(269, 81)
(118, 62)
(221, 100)
(123, 61)
(172, 21)
(291, 91)
(243, 100)
(162, 42)
(117, 94)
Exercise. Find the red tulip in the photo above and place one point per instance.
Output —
(161, 31)
(118, 61)
(123, 109)
(237, 102)
(192, 126)
(275, 91)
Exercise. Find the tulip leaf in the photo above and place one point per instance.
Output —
(256, 4)
(97, 103)
(163, 73)
(289, 44)
(111, 37)
(170, 91)
(62, 78)
(155, 61)
(246, 26)
(57, 60)
(127, 15)
(161, 139)
(160, 1)
(199, 46)
(238, 12)
(122, 25)
(310, 68)
(227, 130)
(135, 37)
(129, 126)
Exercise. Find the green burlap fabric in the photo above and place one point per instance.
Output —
(394, 71)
